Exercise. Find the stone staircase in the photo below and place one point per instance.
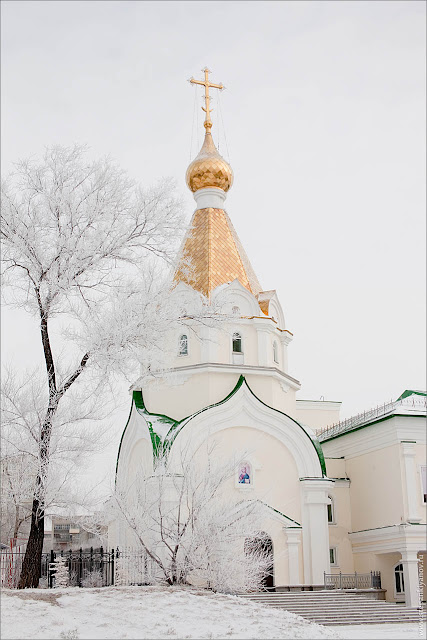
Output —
(338, 607)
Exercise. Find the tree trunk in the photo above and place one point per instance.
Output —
(31, 567)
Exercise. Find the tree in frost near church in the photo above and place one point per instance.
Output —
(189, 528)
(81, 243)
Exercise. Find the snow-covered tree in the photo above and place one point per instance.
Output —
(81, 250)
(15, 495)
(60, 570)
(189, 527)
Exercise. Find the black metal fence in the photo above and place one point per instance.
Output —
(86, 567)
(356, 580)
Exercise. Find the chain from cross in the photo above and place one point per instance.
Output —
(207, 84)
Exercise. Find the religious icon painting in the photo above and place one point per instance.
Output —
(245, 473)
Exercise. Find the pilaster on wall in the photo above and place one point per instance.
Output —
(410, 576)
(315, 528)
(263, 346)
(209, 344)
(408, 454)
(293, 539)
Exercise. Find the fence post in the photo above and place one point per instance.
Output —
(50, 574)
(355, 576)
(324, 579)
(101, 562)
(112, 567)
(80, 566)
(340, 580)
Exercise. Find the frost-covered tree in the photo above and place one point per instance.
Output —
(60, 570)
(81, 246)
(15, 495)
(190, 529)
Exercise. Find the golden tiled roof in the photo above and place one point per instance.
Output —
(209, 169)
(212, 254)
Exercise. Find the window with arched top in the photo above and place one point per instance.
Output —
(183, 345)
(399, 581)
(237, 343)
(275, 352)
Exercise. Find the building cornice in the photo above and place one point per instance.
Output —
(390, 538)
(386, 432)
(246, 369)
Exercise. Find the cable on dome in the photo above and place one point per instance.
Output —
(192, 124)
(223, 127)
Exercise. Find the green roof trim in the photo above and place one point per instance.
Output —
(242, 380)
(369, 424)
(175, 426)
(284, 516)
(409, 392)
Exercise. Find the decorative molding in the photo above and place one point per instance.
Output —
(214, 367)
(388, 539)
(244, 409)
(377, 436)
(210, 197)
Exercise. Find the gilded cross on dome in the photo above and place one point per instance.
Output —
(205, 83)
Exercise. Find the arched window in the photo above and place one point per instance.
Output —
(237, 343)
(331, 511)
(183, 345)
(275, 352)
(235, 311)
(399, 582)
(245, 473)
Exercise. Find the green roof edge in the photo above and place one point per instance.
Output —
(138, 401)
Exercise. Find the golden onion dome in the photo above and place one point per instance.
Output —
(209, 169)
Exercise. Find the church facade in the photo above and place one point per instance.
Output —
(340, 500)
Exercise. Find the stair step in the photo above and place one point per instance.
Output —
(338, 608)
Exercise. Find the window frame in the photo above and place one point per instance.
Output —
(236, 333)
(180, 354)
(333, 510)
(423, 495)
(335, 554)
(398, 594)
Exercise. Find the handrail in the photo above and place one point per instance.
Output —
(416, 402)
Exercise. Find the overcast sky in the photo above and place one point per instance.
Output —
(323, 117)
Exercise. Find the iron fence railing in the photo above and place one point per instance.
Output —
(89, 567)
(415, 402)
(356, 580)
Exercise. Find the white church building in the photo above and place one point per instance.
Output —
(346, 498)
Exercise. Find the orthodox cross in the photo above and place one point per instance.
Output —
(207, 84)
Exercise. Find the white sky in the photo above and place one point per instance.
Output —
(325, 126)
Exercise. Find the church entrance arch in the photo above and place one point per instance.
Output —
(262, 544)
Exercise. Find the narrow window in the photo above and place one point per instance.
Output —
(333, 556)
(237, 343)
(331, 515)
(275, 353)
(424, 482)
(399, 582)
(183, 345)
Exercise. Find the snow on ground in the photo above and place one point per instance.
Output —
(145, 613)
(385, 631)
